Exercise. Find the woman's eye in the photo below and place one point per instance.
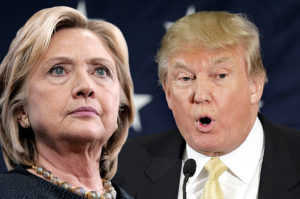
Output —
(57, 70)
(102, 71)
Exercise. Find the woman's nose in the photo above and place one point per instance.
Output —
(83, 86)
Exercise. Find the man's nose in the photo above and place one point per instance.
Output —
(83, 86)
(201, 91)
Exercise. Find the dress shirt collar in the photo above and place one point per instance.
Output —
(242, 162)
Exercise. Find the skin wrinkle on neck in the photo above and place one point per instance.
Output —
(77, 169)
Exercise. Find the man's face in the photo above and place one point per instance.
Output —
(212, 97)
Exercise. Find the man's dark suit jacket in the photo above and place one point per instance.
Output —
(150, 166)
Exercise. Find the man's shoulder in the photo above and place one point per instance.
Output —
(281, 142)
(274, 129)
(140, 152)
(121, 194)
(281, 164)
(157, 144)
(292, 139)
(148, 158)
(148, 139)
(288, 132)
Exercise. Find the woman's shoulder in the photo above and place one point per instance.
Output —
(19, 183)
(15, 177)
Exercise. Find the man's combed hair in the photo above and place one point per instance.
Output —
(31, 42)
(211, 30)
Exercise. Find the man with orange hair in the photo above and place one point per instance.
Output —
(213, 77)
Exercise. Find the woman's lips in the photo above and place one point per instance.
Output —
(84, 111)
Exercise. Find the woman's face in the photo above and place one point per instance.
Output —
(74, 91)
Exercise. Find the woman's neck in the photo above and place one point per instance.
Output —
(80, 168)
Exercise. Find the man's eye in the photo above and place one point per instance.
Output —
(57, 70)
(186, 78)
(222, 75)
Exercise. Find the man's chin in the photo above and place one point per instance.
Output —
(209, 149)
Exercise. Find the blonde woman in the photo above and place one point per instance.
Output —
(66, 106)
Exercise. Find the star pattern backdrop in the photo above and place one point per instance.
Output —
(143, 24)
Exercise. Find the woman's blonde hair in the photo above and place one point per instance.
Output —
(212, 30)
(30, 43)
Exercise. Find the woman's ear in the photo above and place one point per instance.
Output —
(23, 118)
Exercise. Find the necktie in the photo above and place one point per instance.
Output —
(212, 188)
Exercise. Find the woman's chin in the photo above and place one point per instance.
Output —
(81, 136)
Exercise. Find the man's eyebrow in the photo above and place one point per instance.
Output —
(180, 64)
(218, 60)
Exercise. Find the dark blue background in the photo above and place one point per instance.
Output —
(142, 25)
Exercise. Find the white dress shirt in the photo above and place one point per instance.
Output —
(241, 180)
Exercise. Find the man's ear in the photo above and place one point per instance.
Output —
(256, 88)
(167, 93)
(22, 117)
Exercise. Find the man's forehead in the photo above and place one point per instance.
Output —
(187, 58)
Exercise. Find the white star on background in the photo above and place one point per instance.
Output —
(261, 103)
(81, 7)
(140, 100)
(190, 10)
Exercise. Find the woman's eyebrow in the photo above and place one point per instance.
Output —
(60, 58)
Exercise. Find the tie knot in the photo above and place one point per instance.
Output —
(215, 167)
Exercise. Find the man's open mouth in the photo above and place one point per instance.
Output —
(205, 121)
